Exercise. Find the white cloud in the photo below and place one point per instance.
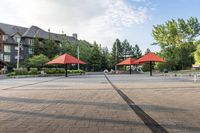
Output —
(100, 20)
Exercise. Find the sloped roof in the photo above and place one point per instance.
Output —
(35, 31)
(12, 29)
(31, 32)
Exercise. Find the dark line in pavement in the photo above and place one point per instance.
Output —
(30, 84)
(148, 121)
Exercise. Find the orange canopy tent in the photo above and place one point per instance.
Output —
(150, 57)
(66, 59)
(129, 61)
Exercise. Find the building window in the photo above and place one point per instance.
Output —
(30, 51)
(7, 48)
(17, 38)
(7, 58)
(30, 42)
(4, 37)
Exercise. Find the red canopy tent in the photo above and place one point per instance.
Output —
(66, 59)
(129, 61)
(150, 57)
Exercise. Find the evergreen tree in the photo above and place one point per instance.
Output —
(95, 59)
(105, 59)
(51, 47)
(137, 51)
(37, 47)
(116, 53)
(64, 45)
(127, 49)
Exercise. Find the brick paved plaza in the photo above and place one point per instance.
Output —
(89, 104)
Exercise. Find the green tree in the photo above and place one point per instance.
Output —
(64, 44)
(105, 59)
(116, 53)
(51, 47)
(95, 59)
(197, 55)
(38, 61)
(177, 41)
(137, 52)
(37, 48)
(127, 49)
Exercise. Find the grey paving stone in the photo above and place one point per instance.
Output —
(89, 104)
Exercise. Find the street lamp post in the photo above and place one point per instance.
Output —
(78, 52)
(18, 51)
(116, 57)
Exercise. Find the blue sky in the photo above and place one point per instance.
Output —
(161, 11)
(100, 20)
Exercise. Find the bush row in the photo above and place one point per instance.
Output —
(34, 71)
(61, 71)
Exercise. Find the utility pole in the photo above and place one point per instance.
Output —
(116, 50)
(78, 52)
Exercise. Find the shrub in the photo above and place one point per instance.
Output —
(61, 71)
(54, 70)
(21, 71)
(33, 71)
(38, 61)
(12, 74)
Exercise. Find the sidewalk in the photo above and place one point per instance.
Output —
(3, 76)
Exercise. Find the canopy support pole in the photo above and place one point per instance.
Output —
(130, 69)
(66, 75)
(150, 68)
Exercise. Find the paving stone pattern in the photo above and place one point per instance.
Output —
(89, 104)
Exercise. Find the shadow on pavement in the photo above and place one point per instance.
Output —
(115, 106)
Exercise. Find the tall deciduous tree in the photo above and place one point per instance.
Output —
(177, 41)
(197, 55)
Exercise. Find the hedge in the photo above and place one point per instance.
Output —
(34, 71)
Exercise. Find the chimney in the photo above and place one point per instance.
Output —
(75, 35)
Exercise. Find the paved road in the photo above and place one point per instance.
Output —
(89, 104)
